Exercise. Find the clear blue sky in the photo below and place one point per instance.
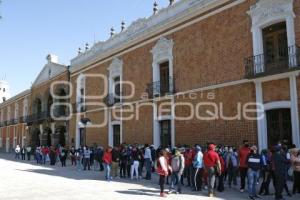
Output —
(31, 29)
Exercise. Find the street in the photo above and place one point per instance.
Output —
(27, 181)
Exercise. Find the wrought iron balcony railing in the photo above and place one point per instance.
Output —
(78, 107)
(5, 123)
(112, 99)
(45, 115)
(16, 121)
(284, 60)
(161, 88)
(23, 119)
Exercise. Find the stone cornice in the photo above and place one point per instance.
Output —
(15, 98)
(143, 28)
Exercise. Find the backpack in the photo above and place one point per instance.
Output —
(176, 163)
(231, 162)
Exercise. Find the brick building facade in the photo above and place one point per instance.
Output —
(196, 71)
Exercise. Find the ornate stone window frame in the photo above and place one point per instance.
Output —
(115, 70)
(267, 12)
(25, 107)
(162, 52)
(81, 84)
(263, 14)
(16, 113)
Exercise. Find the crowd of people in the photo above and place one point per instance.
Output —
(199, 167)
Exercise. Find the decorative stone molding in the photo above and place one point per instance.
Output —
(25, 107)
(265, 11)
(115, 68)
(49, 71)
(144, 27)
(163, 50)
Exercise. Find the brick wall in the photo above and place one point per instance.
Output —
(230, 132)
(213, 50)
(278, 90)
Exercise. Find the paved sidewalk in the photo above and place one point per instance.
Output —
(23, 180)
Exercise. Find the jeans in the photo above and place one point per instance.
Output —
(148, 168)
(28, 156)
(279, 185)
(17, 156)
(243, 174)
(296, 186)
(78, 165)
(188, 173)
(135, 168)
(107, 168)
(221, 182)
(198, 172)
(211, 179)
(162, 180)
(252, 180)
(44, 158)
(264, 188)
(123, 169)
(87, 163)
(176, 178)
(231, 173)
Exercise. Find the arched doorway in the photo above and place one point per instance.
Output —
(38, 106)
(35, 137)
(60, 131)
(49, 104)
(60, 108)
(48, 132)
(279, 126)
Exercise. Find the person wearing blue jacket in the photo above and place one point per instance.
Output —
(198, 169)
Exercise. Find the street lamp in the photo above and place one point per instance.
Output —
(84, 122)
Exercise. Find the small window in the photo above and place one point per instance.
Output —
(117, 89)
(164, 78)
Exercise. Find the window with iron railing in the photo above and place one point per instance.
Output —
(165, 85)
(278, 57)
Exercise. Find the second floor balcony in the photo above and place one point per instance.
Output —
(78, 107)
(112, 99)
(161, 88)
(45, 115)
(270, 63)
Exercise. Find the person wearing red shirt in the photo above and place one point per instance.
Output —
(107, 161)
(213, 167)
(221, 175)
(243, 156)
(188, 157)
(45, 152)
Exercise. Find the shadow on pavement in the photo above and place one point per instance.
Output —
(70, 172)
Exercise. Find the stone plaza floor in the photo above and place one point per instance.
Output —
(25, 180)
